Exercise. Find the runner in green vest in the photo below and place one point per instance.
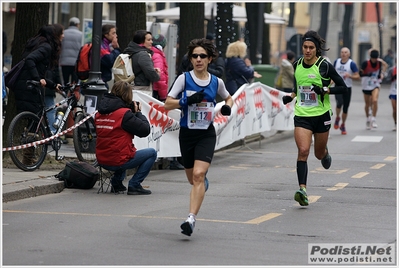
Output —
(313, 76)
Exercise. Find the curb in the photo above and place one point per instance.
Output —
(31, 188)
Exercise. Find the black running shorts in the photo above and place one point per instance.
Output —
(317, 124)
(197, 144)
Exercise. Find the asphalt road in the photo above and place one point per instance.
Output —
(248, 217)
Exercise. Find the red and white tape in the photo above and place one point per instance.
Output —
(49, 138)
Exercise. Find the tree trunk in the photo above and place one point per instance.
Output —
(191, 26)
(29, 17)
(253, 11)
(291, 21)
(130, 17)
(324, 20)
(224, 27)
(346, 26)
(266, 37)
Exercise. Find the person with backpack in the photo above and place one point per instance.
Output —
(348, 70)
(143, 66)
(372, 72)
(312, 88)
(109, 51)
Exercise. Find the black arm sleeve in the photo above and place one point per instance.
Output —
(328, 71)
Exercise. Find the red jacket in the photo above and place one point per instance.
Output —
(114, 146)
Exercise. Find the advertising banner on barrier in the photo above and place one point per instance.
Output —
(257, 108)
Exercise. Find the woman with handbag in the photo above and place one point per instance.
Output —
(238, 72)
(41, 54)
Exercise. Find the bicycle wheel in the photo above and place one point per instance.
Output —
(26, 128)
(84, 139)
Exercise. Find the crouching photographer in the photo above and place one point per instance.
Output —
(118, 120)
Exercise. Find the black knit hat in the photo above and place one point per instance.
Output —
(159, 39)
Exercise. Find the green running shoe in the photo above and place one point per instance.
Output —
(301, 197)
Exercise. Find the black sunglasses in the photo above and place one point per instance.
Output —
(202, 56)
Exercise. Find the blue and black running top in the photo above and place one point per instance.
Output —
(191, 87)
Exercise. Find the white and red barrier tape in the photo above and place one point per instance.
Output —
(49, 138)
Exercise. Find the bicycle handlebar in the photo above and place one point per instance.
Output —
(64, 89)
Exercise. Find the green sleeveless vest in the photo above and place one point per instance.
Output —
(308, 103)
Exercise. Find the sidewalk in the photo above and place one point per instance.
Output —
(18, 184)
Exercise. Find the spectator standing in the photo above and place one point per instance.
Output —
(143, 66)
(238, 72)
(53, 74)
(371, 73)
(313, 76)
(287, 72)
(389, 58)
(118, 120)
(348, 70)
(393, 93)
(71, 45)
(160, 88)
(197, 138)
(41, 54)
(109, 51)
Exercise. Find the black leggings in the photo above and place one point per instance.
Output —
(344, 99)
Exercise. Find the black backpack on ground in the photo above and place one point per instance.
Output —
(79, 174)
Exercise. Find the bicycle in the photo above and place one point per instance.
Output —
(28, 129)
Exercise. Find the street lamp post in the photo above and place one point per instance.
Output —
(94, 85)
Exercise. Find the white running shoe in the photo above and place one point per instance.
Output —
(368, 123)
(374, 124)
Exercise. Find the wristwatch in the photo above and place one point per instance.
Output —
(325, 89)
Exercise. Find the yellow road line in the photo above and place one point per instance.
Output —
(338, 186)
(330, 171)
(313, 198)
(360, 175)
(378, 166)
(263, 218)
(254, 221)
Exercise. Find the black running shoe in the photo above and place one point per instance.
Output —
(326, 161)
